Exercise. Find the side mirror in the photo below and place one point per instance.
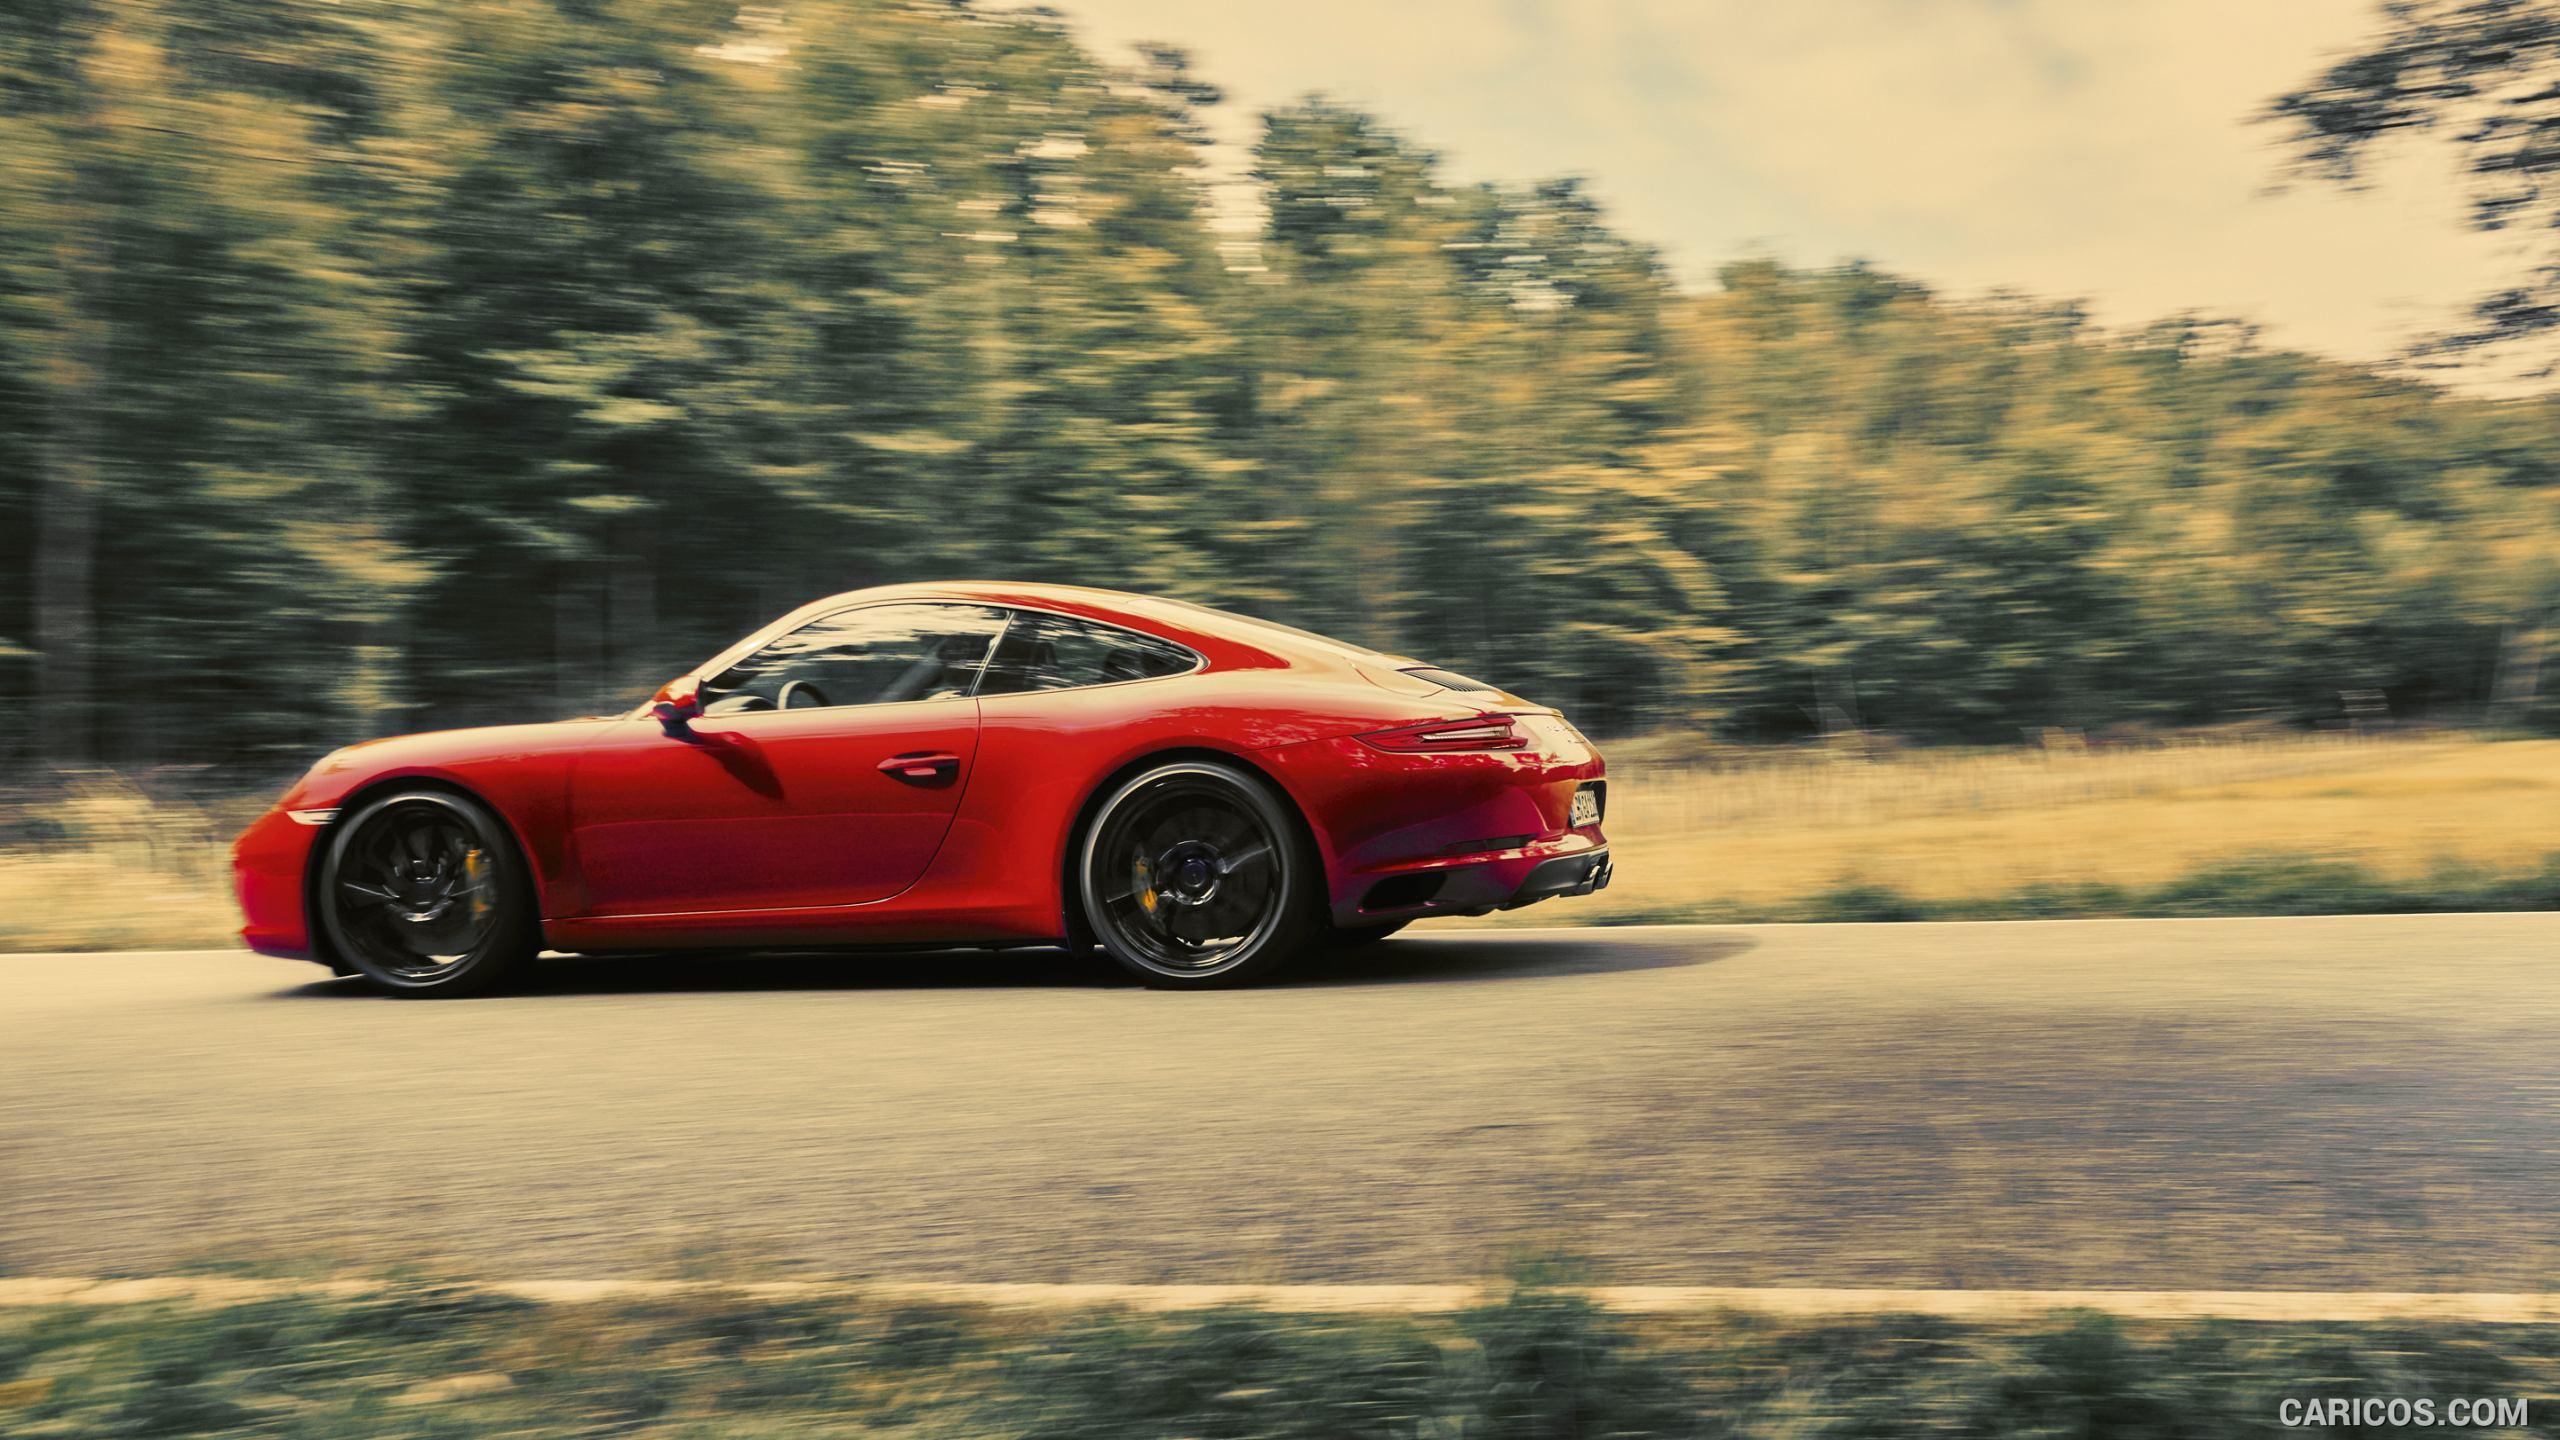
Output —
(677, 704)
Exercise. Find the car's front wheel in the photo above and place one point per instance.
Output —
(1192, 877)
(420, 892)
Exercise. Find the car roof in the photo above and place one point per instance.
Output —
(1178, 619)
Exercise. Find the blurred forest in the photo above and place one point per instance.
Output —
(369, 365)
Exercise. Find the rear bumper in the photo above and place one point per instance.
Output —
(267, 865)
(1565, 875)
(1406, 836)
(1576, 863)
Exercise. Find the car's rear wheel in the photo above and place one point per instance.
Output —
(421, 893)
(1192, 877)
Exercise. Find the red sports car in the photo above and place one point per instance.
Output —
(1199, 793)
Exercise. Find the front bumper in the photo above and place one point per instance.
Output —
(267, 868)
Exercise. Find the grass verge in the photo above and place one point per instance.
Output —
(428, 1361)
(2250, 885)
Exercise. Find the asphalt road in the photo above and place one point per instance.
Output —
(2294, 1104)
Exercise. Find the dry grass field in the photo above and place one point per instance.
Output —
(1700, 831)
(1756, 831)
(107, 864)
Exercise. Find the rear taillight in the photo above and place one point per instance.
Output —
(1433, 737)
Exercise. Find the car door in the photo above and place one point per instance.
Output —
(824, 770)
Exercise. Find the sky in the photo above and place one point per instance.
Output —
(2095, 149)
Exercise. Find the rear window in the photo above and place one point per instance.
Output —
(1052, 652)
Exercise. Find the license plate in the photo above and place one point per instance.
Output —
(1586, 808)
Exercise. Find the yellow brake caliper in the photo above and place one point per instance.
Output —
(1146, 885)
(475, 869)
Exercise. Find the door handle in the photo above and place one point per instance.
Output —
(922, 767)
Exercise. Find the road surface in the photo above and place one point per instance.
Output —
(2280, 1104)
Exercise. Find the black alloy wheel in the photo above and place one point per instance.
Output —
(1192, 876)
(421, 892)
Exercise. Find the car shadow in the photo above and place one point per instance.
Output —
(1452, 957)
(1472, 955)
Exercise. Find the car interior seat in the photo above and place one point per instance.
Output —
(943, 673)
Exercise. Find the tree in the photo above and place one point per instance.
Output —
(367, 365)
(199, 345)
(2484, 74)
(586, 342)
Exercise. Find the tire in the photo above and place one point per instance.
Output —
(1192, 875)
(1352, 937)
(422, 893)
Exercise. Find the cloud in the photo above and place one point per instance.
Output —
(2102, 151)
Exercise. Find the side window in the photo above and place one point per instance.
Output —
(1052, 652)
(872, 655)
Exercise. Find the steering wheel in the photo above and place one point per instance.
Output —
(799, 692)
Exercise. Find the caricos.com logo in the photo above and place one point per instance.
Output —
(2331, 1411)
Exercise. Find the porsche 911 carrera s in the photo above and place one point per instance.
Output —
(1200, 794)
